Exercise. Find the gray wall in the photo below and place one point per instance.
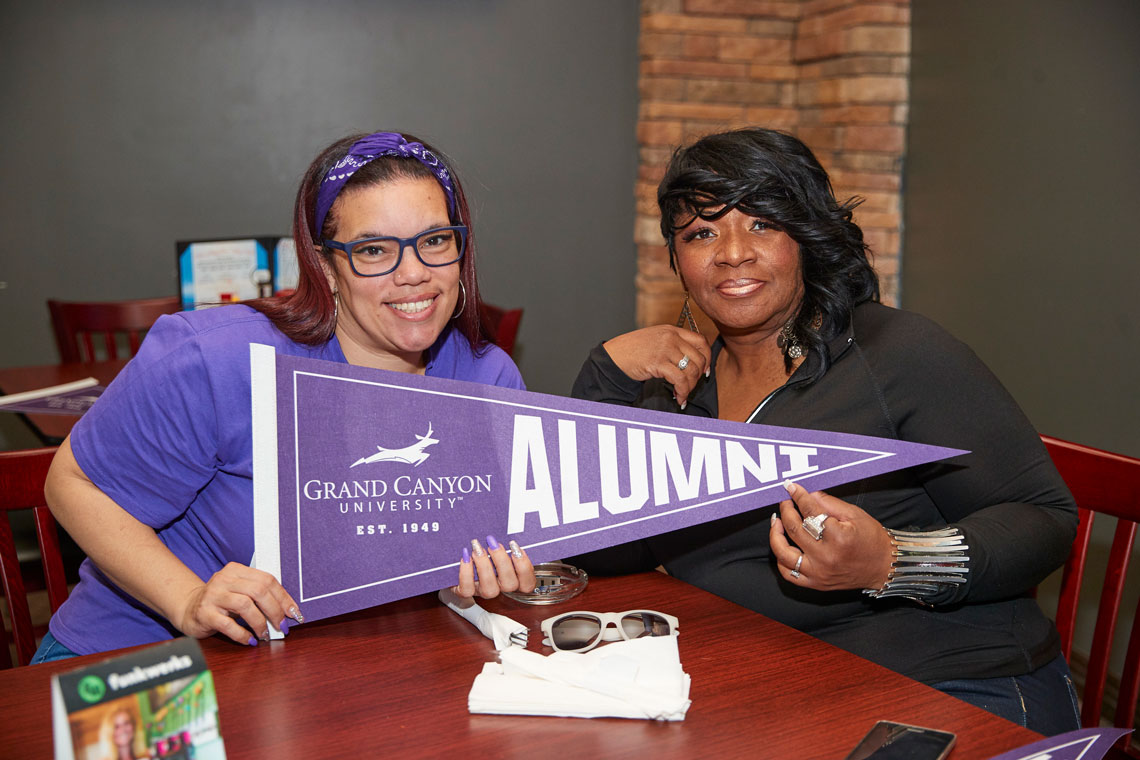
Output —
(1022, 196)
(129, 125)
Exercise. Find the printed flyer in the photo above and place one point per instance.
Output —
(70, 398)
(368, 484)
(157, 702)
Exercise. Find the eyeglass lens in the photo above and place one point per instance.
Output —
(382, 255)
(578, 631)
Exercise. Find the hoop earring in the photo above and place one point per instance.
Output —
(463, 291)
(336, 306)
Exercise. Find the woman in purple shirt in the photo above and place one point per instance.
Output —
(155, 482)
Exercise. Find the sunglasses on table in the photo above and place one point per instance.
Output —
(580, 630)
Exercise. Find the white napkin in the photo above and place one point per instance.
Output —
(640, 678)
(499, 628)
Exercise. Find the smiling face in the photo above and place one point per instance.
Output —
(391, 320)
(742, 272)
(122, 729)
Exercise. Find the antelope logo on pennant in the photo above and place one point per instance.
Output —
(560, 476)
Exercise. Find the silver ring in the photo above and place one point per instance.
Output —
(814, 525)
(796, 569)
(683, 363)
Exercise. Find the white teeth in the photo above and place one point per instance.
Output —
(412, 308)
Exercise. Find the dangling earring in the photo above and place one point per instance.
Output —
(788, 341)
(462, 291)
(336, 306)
(685, 319)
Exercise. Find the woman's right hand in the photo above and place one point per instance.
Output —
(659, 351)
(238, 591)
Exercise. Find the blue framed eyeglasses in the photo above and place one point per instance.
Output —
(372, 257)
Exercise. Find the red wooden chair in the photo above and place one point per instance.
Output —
(1107, 484)
(503, 324)
(22, 475)
(75, 324)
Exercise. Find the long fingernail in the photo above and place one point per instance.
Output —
(790, 487)
(516, 550)
(296, 615)
(708, 371)
(683, 405)
(252, 641)
(492, 544)
(265, 635)
(775, 517)
(284, 626)
(466, 555)
(477, 548)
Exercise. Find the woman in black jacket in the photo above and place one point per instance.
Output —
(765, 250)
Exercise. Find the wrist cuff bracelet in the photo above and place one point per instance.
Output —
(925, 564)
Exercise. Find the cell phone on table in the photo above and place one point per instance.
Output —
(898, 741)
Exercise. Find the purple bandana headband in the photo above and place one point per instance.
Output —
(365, 150)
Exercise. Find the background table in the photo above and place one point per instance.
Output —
(393, 681)
(53, 428)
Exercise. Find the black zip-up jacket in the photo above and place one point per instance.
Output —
(896, 375)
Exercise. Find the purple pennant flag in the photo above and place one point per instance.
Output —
(1084, 744)
(368, 484)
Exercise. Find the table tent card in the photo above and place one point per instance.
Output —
(69, 398)
(368, 484)
(158, 701)
(212, 272)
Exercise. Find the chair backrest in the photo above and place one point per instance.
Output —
(1108, 484)
(75, 323)
(22, 476)
(503, 324)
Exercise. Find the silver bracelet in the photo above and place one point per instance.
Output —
(925, 564)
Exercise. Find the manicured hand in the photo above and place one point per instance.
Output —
(498, 569)
(659, 351)
(854, 552)
(238, 591)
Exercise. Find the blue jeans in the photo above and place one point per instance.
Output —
(51, 650)
(1043, 701)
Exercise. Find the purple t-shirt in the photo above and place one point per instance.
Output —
(170, 442)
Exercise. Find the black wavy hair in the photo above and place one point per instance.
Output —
(774, 176)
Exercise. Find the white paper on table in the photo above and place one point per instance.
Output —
(639, 678)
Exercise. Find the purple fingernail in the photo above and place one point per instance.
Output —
(466, 555)
(252, 641)
(492, 544)
(285, 626)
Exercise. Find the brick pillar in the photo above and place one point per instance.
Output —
(833, 72)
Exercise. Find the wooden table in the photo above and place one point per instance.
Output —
(53, 428)
(392, 681)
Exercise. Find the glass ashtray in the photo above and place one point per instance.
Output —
(555, 582)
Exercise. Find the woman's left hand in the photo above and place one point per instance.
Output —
(853, 553)
(499, 569)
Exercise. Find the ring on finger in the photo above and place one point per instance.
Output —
(683, 363)
(814, 525)
(796, 569)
